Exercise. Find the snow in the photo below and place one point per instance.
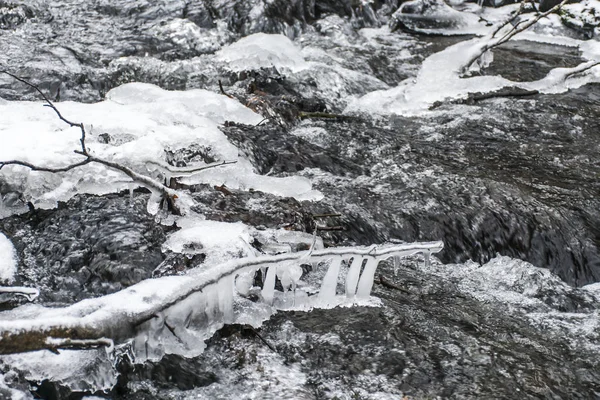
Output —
(8, 260)
(262, 50)
(141, 122)
(327, 293)
(440, 77)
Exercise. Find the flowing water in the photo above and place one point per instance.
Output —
(498, 181)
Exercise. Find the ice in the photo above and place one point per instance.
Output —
(366, 278)
(81, 370)
(353, 275)
(220, 241)
(8, 260)
(262, 50)
(225, 288)
(329, 285)
(177, 314)
(243, 283)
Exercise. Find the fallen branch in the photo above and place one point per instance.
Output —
(385, 283)
(473, 98)
(113, 316)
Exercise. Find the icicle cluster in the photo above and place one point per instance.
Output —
(339, 276)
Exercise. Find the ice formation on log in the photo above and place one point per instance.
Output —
(175, 314)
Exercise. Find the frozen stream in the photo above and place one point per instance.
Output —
(508, 309)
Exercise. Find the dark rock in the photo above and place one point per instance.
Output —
(88, 247)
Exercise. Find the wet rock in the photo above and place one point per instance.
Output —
(515, 61)
(430, 16)
(273, 152)
(172, 372)
(88, 247)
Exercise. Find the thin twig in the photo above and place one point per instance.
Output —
(262, 339)
(223, 92)
(44, 169)
(385, 283)
(137, 177)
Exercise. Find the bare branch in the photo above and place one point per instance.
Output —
(223, 92)
(30, 293)
(44, 169)
(137, 177)
(146, 181)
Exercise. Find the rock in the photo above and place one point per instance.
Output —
(430, 16)
(89, 246)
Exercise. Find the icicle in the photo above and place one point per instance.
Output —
(353, 275)
(268, 291)
(244, 282)
(426, 256)
(225, 295)
(366, 279)
(327, 292)
(396, 262)
(131, 187)
(211, 302)
(283, 273)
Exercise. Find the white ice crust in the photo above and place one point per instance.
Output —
(141, 121)
(440, 78)
(8, 260)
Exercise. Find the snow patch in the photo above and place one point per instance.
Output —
(8, 260)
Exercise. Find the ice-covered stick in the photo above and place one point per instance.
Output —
(117, 315)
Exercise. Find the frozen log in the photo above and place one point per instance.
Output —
(157, 304)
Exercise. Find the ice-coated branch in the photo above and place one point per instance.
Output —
(493, 41)
(54, 344)
(135, 176)
(197, 304)
(27, 292)
(169, 194)
(45, 169)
